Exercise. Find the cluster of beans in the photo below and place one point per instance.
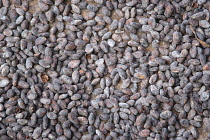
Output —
(104, 69)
